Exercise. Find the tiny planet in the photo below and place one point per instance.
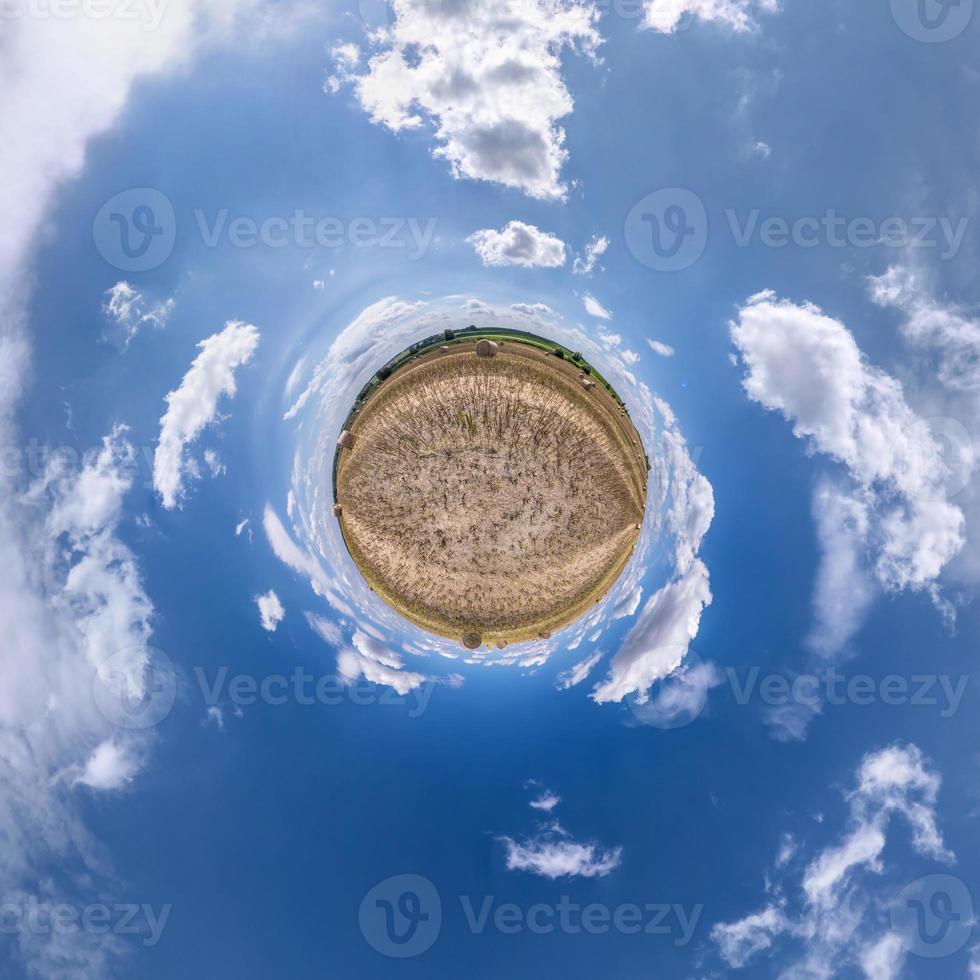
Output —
(490, 485)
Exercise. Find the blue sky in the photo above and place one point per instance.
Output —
(762, 746)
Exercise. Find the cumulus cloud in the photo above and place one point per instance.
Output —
(520, 244)
(271, 611)
(889, 504)
(668, 16)
(486, 77)
(128, 311)
(827, 923)
(194, 405)
(594, 308)
(585, 263)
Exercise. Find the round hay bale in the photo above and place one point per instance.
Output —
(486, 348)
(346, 440)
(472, 640)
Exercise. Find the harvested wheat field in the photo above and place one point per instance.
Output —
(490, 492)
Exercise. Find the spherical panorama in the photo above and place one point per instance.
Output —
(490, 485)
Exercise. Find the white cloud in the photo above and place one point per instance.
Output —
(807, 366)
(657, 643)
(668, 16)
(271, 612)
(110, 766)
(520, 244)
(596, 248)
(71, 597)
(844, 590)
(943, 329)
(326, 629)
(129, 311)
(487, 77)
(353, 664)
(194, 404)
(837, 923)
(552, 855)
(577, 673)
(975, 963)
(658, 347)
(594, 308)
(738, 942)
(945, 354)
(884, 959)
(547, 801)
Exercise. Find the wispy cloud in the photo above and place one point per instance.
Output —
(194, 405)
